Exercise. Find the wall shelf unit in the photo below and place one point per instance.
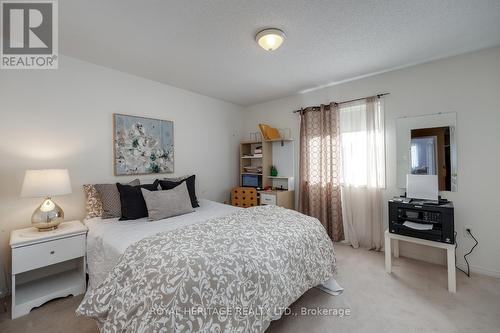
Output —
(282, 141)
(251, 165)
(274, 152)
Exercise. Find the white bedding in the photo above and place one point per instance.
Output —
(108, 239)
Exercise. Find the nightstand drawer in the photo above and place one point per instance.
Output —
(267, 199)
(43, 254)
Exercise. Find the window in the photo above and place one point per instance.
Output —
(362, 144)
(423, 155)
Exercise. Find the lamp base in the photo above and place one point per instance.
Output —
(47, 216)
(46, 229)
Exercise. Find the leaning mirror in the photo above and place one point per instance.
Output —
(426, 145)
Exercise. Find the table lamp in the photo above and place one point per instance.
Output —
(44, 184)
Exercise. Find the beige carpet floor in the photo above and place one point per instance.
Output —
(412, 299)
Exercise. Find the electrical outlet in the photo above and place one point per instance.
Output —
(465, 233)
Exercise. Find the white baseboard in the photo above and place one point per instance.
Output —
(479, 270)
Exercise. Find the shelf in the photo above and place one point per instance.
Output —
(279, 140)
(250, 142)
(250, 157)
(251, 173)
(48, 286)
(260, 141)
(278, 177)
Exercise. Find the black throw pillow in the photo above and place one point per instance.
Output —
(133, 204)
(168, 185)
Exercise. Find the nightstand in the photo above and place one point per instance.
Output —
(47, 265)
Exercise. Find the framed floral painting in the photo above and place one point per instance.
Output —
(142, 145)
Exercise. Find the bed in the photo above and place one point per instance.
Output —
(218, 269)
(108, 239)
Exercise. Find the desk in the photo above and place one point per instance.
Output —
(450, 250)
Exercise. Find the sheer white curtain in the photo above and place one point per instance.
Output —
(362, 137)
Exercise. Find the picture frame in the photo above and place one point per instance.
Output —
(142, 146)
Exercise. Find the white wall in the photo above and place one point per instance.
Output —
(63, 119)
(469, 85)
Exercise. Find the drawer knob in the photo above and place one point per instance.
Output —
(52, 252)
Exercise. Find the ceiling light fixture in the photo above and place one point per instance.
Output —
(270, 39)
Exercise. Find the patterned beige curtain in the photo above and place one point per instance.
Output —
(320, 168)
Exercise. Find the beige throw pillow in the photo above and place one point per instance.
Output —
(93, 204)
(168, 203)
(110, 199)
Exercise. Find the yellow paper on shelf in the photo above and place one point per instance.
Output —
(269, 133)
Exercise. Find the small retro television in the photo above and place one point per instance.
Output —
(248, 180)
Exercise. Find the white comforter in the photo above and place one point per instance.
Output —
(108, 239)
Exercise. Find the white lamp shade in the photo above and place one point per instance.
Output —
(46, 183)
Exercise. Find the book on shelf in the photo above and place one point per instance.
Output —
(252, 156)
(253, 169)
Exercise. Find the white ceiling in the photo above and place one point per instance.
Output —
(208, 46)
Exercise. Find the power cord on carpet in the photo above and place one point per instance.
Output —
(465, 255)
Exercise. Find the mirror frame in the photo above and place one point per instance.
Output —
(404, 125)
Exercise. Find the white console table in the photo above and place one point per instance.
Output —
(450, 250)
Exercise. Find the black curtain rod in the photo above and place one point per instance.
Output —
(349, 101)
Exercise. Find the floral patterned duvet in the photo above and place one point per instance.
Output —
(231, 274)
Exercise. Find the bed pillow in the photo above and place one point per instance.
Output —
(110, 199)
(190, 182)
(173, 179)
(167, 203)
(93, 205)
(132, 201)
(176, 179)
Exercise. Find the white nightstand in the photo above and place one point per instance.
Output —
(47, 265)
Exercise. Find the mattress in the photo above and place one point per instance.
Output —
(107, 239)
